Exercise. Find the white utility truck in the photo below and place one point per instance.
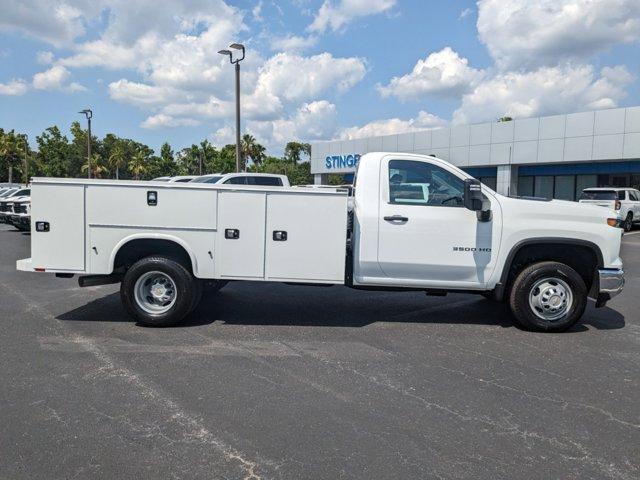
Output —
(413, 223)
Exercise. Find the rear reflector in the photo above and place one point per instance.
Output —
(39, 269)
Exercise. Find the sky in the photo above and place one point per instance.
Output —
(314, 69)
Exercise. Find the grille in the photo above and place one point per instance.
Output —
(4, 207)
(19, 208)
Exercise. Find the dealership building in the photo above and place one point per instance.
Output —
(554, 157)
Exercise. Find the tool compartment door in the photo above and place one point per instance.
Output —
(62, 247)
(239, 250)
(315, 226)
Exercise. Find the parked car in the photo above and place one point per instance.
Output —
(21, 217)
(6, 204)
(258, 179)
(181, 178)
(543, 258)
(626, 201)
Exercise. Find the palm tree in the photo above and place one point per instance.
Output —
(294, 150)
(250, 148)
(98, 168)
(138, 164)
(118, 159)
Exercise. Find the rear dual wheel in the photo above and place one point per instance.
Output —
(159, 292)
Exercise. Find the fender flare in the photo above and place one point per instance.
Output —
(154, 236)
(501, 285)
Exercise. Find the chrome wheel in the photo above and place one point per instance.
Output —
(550, 298)
(155, 292)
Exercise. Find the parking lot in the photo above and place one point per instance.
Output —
(274, 381)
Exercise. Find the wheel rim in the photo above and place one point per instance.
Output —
(155, 292)
(550, 298)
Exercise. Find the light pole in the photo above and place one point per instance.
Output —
(236, 62)
(26, 161)
(88, 113)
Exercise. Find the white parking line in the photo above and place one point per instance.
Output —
(632, 233)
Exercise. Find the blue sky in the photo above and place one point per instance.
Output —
(315, 69)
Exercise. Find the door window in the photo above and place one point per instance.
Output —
(265, 181)
(634, 196)
(422, 183)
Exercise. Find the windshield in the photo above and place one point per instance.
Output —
(598, 195)
(206, 179)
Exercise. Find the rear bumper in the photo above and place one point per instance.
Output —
(610, 284)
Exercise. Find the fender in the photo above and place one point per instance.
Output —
(500, 287)
(153, 236)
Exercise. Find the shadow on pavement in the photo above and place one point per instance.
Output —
(336, 307)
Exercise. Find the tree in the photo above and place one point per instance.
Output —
(118, 158)
(54, 153)
(138, 165)
(505, 119)
(9, 152)
(250, 148)
(294, 150)
(98, 168)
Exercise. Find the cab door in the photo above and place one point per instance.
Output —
(426, 237)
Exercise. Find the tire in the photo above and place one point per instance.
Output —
(198, 287)
(164, 273)
(628, 222)
(560, 300)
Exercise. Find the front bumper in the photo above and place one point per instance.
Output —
(610, 284)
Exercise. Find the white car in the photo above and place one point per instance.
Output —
(6, 204)
(625, 201)
(257, 179)
(180, 179)
(21, 217)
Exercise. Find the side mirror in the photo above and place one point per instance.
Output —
(473, 194)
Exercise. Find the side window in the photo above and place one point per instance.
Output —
(634, 196)
(265, 181)
(236, 181)
(621, 195)
(422, 183)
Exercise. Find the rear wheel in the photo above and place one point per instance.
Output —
(158, 291)
(628, 222)
(548, 296)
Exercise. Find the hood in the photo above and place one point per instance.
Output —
(562, 209)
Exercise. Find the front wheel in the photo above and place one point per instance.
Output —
(158, 291)
(548, 297)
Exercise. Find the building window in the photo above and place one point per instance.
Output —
(490, 182)
(585, 181)
(525, 186)
(564, 187)
(543, 186)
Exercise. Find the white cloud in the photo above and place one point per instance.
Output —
(465, 13)
(44, 58)
(423, 121)
(526, 33)
(293, 43)
(545, 91)
(55, 78)
(58, 23)
(311, 121)
(442, 73)
(140, 94)
(14, 87)
(334, 15)
(165, 121)
(256, 11)
(295, 78)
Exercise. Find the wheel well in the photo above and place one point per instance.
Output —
(134, 250)
(582, 258)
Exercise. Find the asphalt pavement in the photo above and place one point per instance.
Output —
(269, 381)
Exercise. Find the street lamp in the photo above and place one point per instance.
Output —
(236, 62)
(88, 113)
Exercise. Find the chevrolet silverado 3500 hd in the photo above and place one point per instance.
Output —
(414, 223)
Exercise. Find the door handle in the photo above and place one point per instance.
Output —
(396, 218)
